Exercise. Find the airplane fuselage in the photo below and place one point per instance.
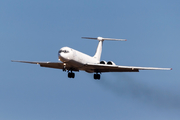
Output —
(75, 58)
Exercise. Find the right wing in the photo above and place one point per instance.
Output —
(57, 65)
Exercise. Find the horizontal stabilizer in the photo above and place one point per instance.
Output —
(102, 39)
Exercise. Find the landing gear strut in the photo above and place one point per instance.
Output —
(71, 75)
(64, 67)
(97, 76)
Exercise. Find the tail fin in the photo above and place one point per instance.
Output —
(99, 47)
(98, 51)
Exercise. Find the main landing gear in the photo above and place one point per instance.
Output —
(71, 74)
(97, 76)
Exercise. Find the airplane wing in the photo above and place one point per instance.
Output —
(116, 68)
(57, 65)
(89, 67)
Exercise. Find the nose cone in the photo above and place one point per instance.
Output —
(62, 57)
(64, 54)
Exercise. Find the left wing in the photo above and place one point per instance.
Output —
(57, 65)
(116, 68)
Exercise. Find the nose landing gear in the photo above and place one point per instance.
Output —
(64, 67)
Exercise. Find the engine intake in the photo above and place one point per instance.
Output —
(103, 62)
(111, 63)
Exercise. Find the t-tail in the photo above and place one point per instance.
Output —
(100, 44)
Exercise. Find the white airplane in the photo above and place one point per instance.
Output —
(73, 60)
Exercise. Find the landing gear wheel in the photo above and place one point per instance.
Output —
(71, 75)
(97, 76)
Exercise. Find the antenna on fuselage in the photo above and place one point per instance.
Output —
(99, 47)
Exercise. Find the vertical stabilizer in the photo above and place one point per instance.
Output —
(99, 47)
(98, 51)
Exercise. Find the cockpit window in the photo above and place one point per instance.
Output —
(64, 51)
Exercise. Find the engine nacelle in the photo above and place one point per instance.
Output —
(103, 62)
(111, 63)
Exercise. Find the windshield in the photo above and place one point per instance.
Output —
(64, 51)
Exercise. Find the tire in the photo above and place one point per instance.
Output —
(97, 76)
(72, 75)
(69, 75)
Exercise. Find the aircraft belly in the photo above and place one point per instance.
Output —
(74, 65)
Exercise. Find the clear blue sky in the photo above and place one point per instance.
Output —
(35, 30)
